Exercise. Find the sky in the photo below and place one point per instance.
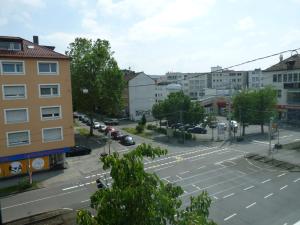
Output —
(159, 36)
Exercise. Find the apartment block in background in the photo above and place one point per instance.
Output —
(285, 79)
(36, 124)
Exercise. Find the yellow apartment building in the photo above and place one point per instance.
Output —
(36, 123)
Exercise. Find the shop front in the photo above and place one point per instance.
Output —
(31, 162)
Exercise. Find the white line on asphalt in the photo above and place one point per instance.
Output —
(260, 142)
(67, 209)
(224, 152)
(93, 175)
(297, 180)
(195, 186)
(226, 196)
(285, 186)
(269, 195)
(297, 223)
(241, 172)
(280, 175)
(88, 183)
(229, 160)
(229, 217)
(85, 200)
(265, 181)
(93, 182)
(215, 197)
(201, 167)
(41, 199)
(285, 224)
(254, 203)
(179, 177)
(81, 185)
(184, 172)
(68, 188)
(247, 188)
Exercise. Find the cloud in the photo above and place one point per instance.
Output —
(19, 11)
(170, 20)
(246, 23)
(290, 39)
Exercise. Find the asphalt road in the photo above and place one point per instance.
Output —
(243, 191)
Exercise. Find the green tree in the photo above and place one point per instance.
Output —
(158, 112)
(178, 107)
(143, 120)
(244, 108)
(93, 69)
(137, 197)
(265, 106)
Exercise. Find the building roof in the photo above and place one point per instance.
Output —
(30, 50)
(291, 63)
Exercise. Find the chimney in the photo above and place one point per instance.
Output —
(280, 57)
(36, 40)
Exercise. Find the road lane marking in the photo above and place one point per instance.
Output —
(184, 172)
(265, 181)
(280, 175)
(85, 200)
(41, 199)
(269, 195)
(254, 203)
(195, 186)
(297, 223)
(296, 180)
(226, 196)
(215, 197)
(285, 186)
(260, 142)
(68, 188)
(229, 217)
(248, 188)
(179, 177)
(88, 183)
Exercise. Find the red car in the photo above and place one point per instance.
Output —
(109, 129)
(116, 135)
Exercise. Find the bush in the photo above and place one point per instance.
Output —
(161, 130)
(151, 127)
(24, 184)
(139, 128)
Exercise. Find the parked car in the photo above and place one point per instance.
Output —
(102, 128)
(176, 125)
(108, 129)
(75, 115)
(116, 135)
(163, 123)
(78, 150)
(233, 124)
(96, 125)
(127, 140)
(101, 184)
(85, 119)
(112, 122)
(186, 127)
(222, 126)
(197, 130)
(81, 117)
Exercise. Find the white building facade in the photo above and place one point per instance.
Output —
(255, 79)
(141, 96)
(285, 78)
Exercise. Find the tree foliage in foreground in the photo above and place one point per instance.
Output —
(137, 197)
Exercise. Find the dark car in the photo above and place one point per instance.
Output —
(116, 135)
(78, 150)
(127, 140)
(186, 127)
(111, 122)
(197, 130)
(100, 184)
(176, 125)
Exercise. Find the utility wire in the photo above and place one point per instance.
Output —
(226, 68)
